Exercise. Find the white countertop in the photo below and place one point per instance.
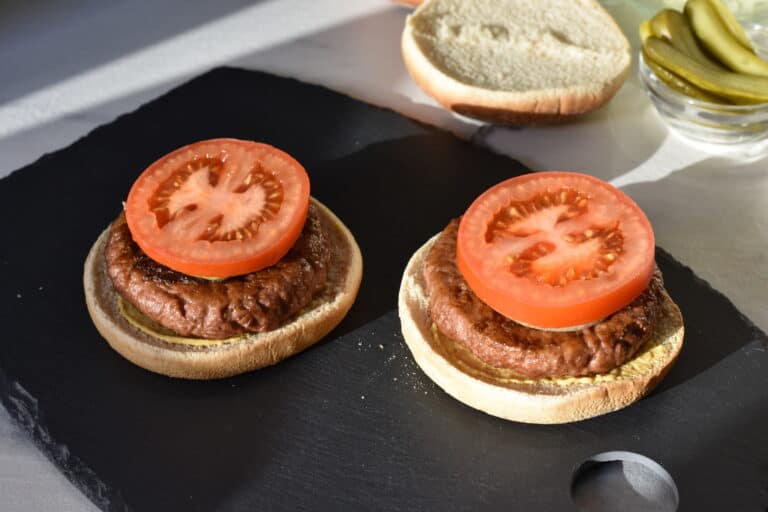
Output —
(67, 69)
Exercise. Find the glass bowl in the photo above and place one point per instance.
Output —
(704, 121)
(754, 11)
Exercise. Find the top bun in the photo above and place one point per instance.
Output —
(516, 61)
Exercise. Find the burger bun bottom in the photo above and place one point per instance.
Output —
(209, 359)
(499, 393)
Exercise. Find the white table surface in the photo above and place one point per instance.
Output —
(68, 68)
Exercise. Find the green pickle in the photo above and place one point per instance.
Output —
(681, 85)
(645, 30)
(673, 26)
(714, 35)
(736, 87)
(730, 22)
(704, 54)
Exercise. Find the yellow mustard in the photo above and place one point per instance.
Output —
(152, 328)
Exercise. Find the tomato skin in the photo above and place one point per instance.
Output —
(539, 304)
(220, 258)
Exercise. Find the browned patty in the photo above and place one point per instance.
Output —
(255, 302)
(502, 342)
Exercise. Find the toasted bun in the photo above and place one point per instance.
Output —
(500, 393)
(238, 355)
(516, 61)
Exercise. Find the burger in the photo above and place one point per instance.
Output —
(220, 263)
(542, 303)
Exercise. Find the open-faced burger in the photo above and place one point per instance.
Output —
(543, 302)
(221, 263)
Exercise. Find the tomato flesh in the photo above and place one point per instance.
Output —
(219, 208)
(555, 249)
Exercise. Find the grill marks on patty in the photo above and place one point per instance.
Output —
(502, 342)
(190, 306)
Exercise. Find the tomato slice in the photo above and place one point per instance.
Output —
(555, 249)
(219, 208)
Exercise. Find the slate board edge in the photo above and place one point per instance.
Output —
(22, 406)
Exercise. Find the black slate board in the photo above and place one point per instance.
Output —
(352, 423)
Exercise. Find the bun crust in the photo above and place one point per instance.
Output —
(490, 390)
(232, 357)
(542, 105)
(408, 3)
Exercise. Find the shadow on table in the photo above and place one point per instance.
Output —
(606, 143)
(354, 61)
(73, 38)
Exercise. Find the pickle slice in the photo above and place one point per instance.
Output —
(714, 35)
(680, 84)
(736, 87)
(733, 26)
(645, 30)
(675, 28)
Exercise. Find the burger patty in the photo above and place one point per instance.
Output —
(501, 342)
(191, 306)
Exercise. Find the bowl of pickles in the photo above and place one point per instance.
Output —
(705, 74)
